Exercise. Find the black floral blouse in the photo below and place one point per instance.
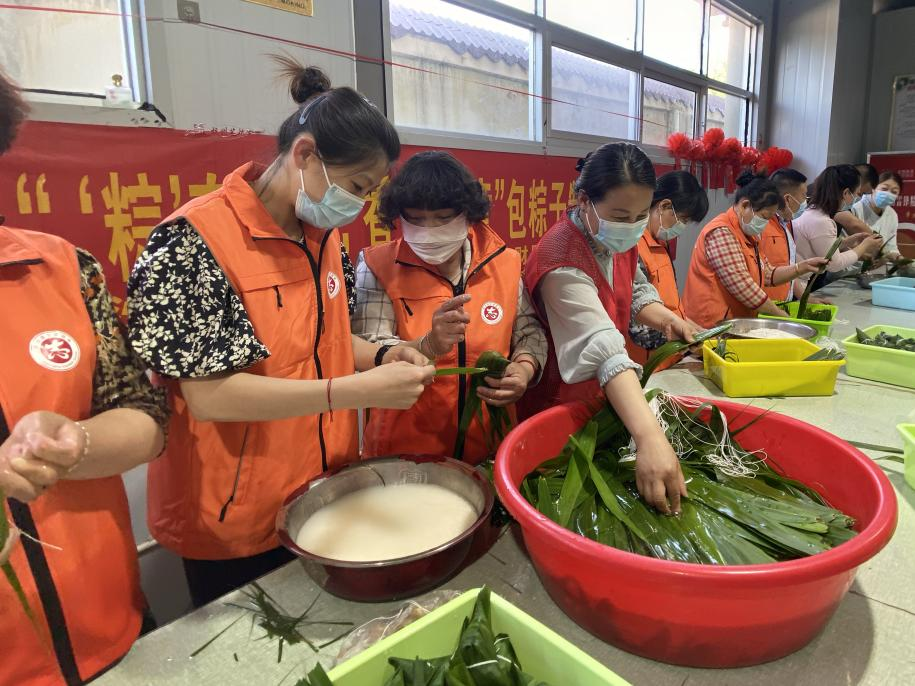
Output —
(185, 319)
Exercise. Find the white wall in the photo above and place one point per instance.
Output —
(893, 55)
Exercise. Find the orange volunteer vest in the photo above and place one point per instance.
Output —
(705, 300)
(773, 245)
(660, 272)
(215, 492)
(417, 291)
(87, 596)
(565, 246)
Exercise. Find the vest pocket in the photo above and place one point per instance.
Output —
(238, 472)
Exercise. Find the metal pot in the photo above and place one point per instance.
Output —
(739, 327)
(403, 577)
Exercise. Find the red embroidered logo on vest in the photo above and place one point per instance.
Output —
(492, 312)
(333, 285)
(55, 350)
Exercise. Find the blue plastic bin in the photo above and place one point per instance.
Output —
(898, 292)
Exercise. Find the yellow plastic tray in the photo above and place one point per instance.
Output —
(770, 367)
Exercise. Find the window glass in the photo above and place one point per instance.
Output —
(729, 48)
(673, 32)
(666, 109)
(609, 20)
(726, 112)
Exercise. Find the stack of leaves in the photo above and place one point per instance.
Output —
(492, 364)
(802, 305)
(739, 509)
(887, 340)
(7, 567)
(899, 264)
(481, 658)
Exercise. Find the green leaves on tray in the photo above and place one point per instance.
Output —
(887, 340)
(825, 354)
(755, 518)
(492, 364)
(802, 305)
(672, 348)
(481, 658)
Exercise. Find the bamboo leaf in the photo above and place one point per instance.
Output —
(880, 448)
(10, 573)
(672, 348)
(457, 371)
(802, 304)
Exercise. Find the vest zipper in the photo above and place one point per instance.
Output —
(406, 307)
(279, 298)
(457, 290)
(319, 328)
(241, 457)
(44, 582)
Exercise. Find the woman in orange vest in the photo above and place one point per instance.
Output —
(451, 289)
(239, 301)
(777, 241)
(76, 410)
(586, 287)
(727, 275)
(678, 200)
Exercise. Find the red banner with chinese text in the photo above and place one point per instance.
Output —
(104, 188)
(903, 163)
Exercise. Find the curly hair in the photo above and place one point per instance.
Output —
(433, 180)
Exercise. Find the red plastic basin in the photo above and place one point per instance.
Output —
(703, 615)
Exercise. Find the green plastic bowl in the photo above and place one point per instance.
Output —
(822, 328)
(542, 653)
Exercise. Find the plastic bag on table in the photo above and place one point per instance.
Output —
(376, 629)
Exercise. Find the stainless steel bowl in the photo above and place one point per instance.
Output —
(740, 326)
(387, 579)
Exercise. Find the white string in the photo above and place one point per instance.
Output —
(43, 544)
(725, 457)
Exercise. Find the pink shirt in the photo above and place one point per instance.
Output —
(814, 234)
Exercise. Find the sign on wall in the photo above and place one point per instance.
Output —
(902, 115)
(105, 188)
(305, 7)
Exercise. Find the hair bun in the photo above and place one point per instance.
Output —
(304, 82)
(746, 178)
(582, 161)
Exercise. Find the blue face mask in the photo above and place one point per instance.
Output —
(883, 199)
(617, 237)
(800, 208)
(755, 226)
(668, 233)
(338, 207)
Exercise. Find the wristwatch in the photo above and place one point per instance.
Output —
(382, 351)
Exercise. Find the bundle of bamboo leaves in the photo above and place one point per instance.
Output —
(490, 363)
(7, 567)
(481, 658)
(739, 510)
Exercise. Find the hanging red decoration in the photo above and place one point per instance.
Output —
(678, 144)
(749, 156)
(711, 141)
(773, 159)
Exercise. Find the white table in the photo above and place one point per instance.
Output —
(868, 641)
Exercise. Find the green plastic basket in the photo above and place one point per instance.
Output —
(822, 328)
(542, 653)
(908, 438)
(895, 367)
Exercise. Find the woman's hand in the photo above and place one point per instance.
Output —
(405, 353)
(7, 548)
(811, 266)
(509, 388)
(853, 241)
(658, 475)
(678, 329)
(449, 323)
(42, 448)
(394, 386)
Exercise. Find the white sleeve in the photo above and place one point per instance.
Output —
(587, 343)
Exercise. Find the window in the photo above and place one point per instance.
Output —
(666, 109)
(673, 32)
(619, 69)
(729, 48)
(471, 73)
(726, 112)
(614, 22)
(88, 49)
(604, 96)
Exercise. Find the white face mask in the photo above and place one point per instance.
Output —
(435, 244)
(338, 207)
(617, 237)
(668, 233)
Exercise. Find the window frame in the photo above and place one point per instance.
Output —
(136, 48)
(546, 35)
